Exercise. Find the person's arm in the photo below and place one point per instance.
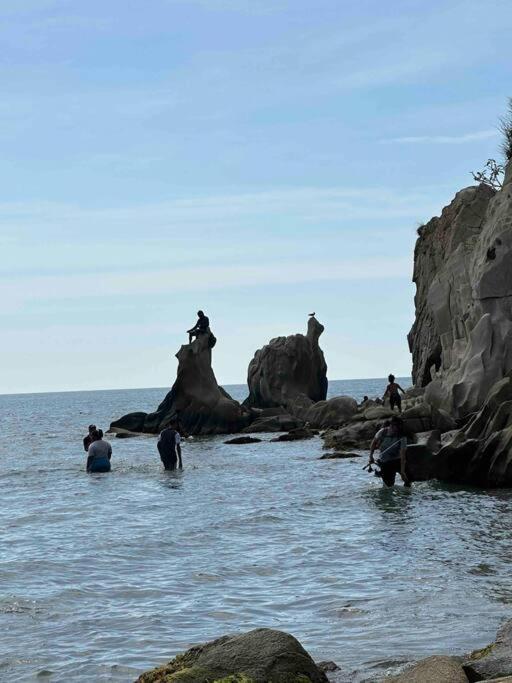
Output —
(86, 444)
(90, 458)
(178, 451)
(386, 393)
(374, 445)
(109, 451)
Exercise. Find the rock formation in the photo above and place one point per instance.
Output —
(260, 656)
(461, 340)
(288, 367)
(196, 400)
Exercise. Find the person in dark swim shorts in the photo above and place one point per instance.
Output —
(392, 390)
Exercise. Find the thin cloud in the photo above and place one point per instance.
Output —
(442, 139)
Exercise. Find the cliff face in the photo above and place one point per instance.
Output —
(461, 340)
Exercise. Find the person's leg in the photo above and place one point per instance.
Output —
(388, 472)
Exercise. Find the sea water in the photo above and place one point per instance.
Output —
(104, 576)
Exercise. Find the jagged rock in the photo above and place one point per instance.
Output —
(461, 340)
(435, 669)
(481, 453)
(278, 423)
(335, 412)
(243, 440)
(288, 367)
(353, 435)
(196, 399)
(260, 656)
(493, 661)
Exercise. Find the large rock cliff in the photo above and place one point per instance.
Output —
(288, 367)
(461, 340)
(195, 401)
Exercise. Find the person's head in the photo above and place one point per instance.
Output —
(173, 425)
(396, 425)
(391, 378)
(200, 314)
(92, 428)
(97, 435)
(365, 398)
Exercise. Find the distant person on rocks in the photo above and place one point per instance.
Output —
(99, 453)
(169, 448)
(392, 443)
(202, 326)
(392, 391)
(88, 438)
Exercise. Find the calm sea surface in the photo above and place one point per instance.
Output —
(104, 576)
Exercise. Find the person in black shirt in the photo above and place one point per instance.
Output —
(88, 439)
(202, 326)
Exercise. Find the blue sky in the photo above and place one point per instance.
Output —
(259, 159)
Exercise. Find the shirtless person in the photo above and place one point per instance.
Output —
(392, 391)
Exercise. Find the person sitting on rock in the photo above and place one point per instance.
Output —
(392, 391)
(169, 448)
(392, 443)
(202, 326)
(88, 439)
(99, 453)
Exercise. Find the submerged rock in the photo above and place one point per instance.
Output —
(296, 435)
(243, 440)
(287, 367)
(195, 400)
(461, 340)
(260, 656)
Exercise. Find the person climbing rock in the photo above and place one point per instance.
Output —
(88, 439)
(202, 326)
(169, 448)
(392, 390)
(392, 443)
(99, 453)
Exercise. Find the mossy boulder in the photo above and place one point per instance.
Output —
(260, 656)
(493, 661)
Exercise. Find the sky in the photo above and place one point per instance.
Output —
(258, 159)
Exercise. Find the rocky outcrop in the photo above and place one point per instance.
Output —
(461, 340)
(438, 669)
(481, 453)
(196, 401)
(288, 367)
(494, 661)
(260, 656)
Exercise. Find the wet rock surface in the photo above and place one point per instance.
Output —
(259, 656)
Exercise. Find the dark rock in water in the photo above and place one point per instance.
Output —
(328, 666)
(295, 435)
(278, 423)
(339, 456)
(126, 435)
(287, 367)
(493, 661)
(435, 669)
(243, 439)
(259, 656)
(195, 400)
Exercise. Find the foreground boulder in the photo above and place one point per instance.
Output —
(461, 340)
(435, 669)
(287, 367)
(196, 401)
(259, 656)
(493, 661)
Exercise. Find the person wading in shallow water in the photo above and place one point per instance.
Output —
(392, 443)
(202, 326)
(99, 453)
(392, 391)
(169, 448)
(88, 438)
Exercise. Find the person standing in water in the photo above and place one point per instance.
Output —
(392, 391)
(88, 439)
(202, 326)
(99, 453)
(392, 443)
(169, 447)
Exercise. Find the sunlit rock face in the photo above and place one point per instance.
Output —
(461, 340)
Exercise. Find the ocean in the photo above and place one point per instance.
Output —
(105, 576)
